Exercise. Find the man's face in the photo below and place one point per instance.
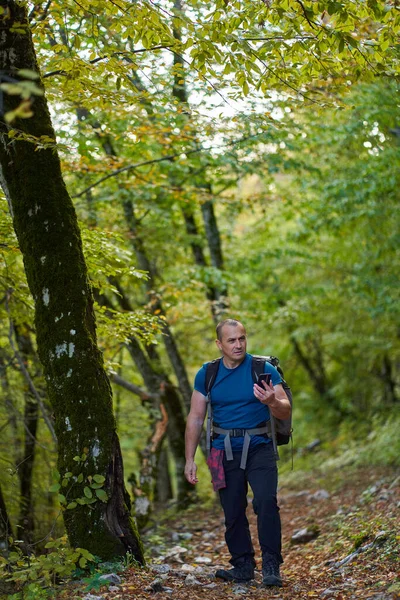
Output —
(233, 343)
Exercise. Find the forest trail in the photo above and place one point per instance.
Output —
(357, 510)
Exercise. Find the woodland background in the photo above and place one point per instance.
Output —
(224, 159)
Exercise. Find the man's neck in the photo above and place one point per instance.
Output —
(231, 364)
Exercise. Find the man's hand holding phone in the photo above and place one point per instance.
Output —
(263, 389)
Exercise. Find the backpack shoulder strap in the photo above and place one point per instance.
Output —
(261, 360)
(257, 366)
(211, 373)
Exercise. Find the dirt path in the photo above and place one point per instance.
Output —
(363, 512)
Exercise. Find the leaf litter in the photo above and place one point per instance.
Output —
(355, 554)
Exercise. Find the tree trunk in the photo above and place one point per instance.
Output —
(5, 525)
(156, 305)
(25, 470)
(163, 491)
(47, 229)
(218, 297)
(214, 244)
(150, 455)
(157, 382)
(388, 378)
(12, 413)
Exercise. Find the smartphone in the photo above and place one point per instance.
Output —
(264, 377)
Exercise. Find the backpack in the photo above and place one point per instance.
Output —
(281, 429)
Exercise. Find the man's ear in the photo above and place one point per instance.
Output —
(218, 345)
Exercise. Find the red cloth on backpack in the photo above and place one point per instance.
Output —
(215, 464)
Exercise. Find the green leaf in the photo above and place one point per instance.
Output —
(99, 478)
(55, 475)
(102, 495)
(88, 492)
(86, 553)
(28, 74)
(80, 478)
(62, 499)
(82, 562)
(72, 505)
(55, 487)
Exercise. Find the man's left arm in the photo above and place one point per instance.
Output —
(275, 398)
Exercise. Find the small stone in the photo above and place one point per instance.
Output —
(312, 445)
(240, 589)
(210, 586)
(92, 597)
(191, 580)
(381, 537)
(320, 495)
(304, 535)
(175, 551)
(111, 578)
(113, 588)
(188, 568)
(328, 592)
(175, 536)
(202, 559)
(155, 586)
(161, 569)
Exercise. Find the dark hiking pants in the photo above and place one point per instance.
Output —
(262, 475)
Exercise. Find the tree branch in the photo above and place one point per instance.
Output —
(99, 58)
(305, 15)
(135, 166)
(131, 387)
(170, 157)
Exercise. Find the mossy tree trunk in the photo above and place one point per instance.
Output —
(31, 416)
(6, 531)
(46, 226)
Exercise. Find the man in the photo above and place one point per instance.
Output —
(239, 403)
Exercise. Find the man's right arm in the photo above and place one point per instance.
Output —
(194, 427)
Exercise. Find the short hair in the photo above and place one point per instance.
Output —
(221, 324)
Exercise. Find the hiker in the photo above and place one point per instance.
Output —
(241, 453)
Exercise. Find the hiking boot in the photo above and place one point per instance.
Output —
(270, 572)
(239, 574)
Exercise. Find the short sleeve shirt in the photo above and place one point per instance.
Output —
(233, 402)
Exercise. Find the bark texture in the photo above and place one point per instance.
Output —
(25, 470)
(47, 229)
(5, 525)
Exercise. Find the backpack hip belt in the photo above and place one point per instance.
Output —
(246, 433)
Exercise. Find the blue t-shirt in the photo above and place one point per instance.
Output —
(233, 403)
